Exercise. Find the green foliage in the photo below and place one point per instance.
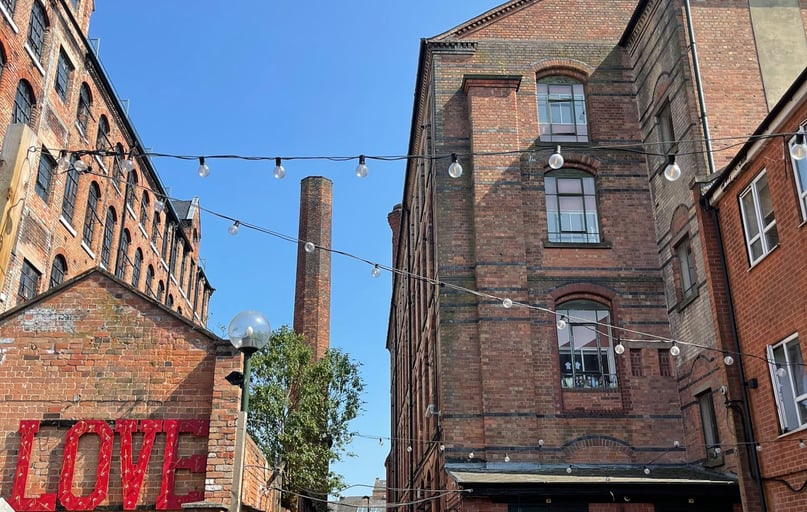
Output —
(299, 410)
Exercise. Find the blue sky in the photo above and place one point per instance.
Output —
(283, 78)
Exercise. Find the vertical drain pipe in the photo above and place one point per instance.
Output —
(701, 101)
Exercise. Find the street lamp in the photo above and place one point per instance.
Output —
(249, 332)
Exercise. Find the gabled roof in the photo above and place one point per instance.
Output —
(484, 19)
(71, 283)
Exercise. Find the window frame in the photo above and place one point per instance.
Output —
(64, 73)
(70, 193)
(44, 175)
(787, 398)
(83, 113)
(687, 272)
(122, 261)
(37, 28)
(90, 214)
(57, 273)
(753, 191)
(109, 235)
(591, 232)
(24, 102)
(30, 278)
(666, 129)
(709, 430)
(573, 368)
(136, 267)
(573, 100)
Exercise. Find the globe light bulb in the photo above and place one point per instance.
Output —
(506, 457)
(409, 449)
(309, 247)
(442, 447)
(507, 303)
(204, 170)
(454, 169)
(672, 172)
(759, 447)
(619, 348)
(802, 444)
(64, 162)
(556, 159)
(233, 229)
(80, 165)
(471, 455)
(675, 351)
(646, 470)
(361, 169)
(159, 205)
(728, 360)
(127, 165)
(562, 323)
(781, 372)
(569, 470)
(280, 171)
(380, 442)
(540, 442)
(376, 271)
(676, 443)
(798, 150)
(718, 450)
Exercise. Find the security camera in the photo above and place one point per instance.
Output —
(431, 410)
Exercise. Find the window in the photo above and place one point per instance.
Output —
(800, 170)
(571, 207)
(117, 170)
(75, 4)
(123, 254)
(686, 267)
(709, 426)
(144, 209)
(664, 362)
(182, 264)
(166, 237)
(29, 281)
(102, 138)
(562, 110)
(138, 262)
(24, 103)
(155, 228)
(789, 383)
(636, 362)
(160, 290)
(83, 112)
(64, 70)
(170, 302)
(91, 213)
(9, 5)
(759, 223)
(109, 229)
(131, 184)
(149, 279)
(585, 346)
(664, 124)
(58, 271)
(36, 30)
(70, 191)
(44, 174)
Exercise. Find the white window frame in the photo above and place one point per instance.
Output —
(762, 229)
(791, 417)
(800, 175)
(560, 96)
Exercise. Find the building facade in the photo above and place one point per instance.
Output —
(561, 337)
(78, 190)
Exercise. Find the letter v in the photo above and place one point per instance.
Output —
(132, 474)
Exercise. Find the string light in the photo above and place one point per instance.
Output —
(781, 372)
(361, 169)
(506, 457)
(728, 360)
(127, 165)
(233, 229)
(376, 271)
(507, 303)
(280, 171)
(471, 455)
(562, 322)
(409, 448)
(540, 443)
(802, 444)
(454, 169)
(672, 172)
(674, 350)
(159, 205)
(204, 170)
(556, 159)
(798, 150)
(619, 348)
(80, 166)
(63, 163)
(380, 441)
(569, 470)
(646, 470)
(309, 247)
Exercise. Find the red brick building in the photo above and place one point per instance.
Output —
(756, 212)
(487, 393)
(122, 405)
(77, 190)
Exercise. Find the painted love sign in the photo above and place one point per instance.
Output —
(132, 467)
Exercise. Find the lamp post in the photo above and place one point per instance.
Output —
(248, 332)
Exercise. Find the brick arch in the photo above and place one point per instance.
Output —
(571, 68)
(661, 87)
(680, 219)
(572, 160)
(582, 449)
(580, 291)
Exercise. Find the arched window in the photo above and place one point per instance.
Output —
(170, 302)
(109, 233)
(9, 5)
(160, 290)
(91, 214)
(155, 228)
(47, 166)
(138, 262)
(131, 185)
(145, 207)
(149, 279)
(117, 170)
(64, 72)
(70, 191)
(562, 110)
(84, 103)
(36, 30)
(57, 271)
(123, 254)
(24, 103)
(571, 207)
(585, 345)
(102, 137)
(3, 59)
(182, 264)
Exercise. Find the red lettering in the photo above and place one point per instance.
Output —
(195, 463)
(66, 496)
(43, 502)
(132, 474)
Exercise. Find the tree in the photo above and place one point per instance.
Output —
(300, 409)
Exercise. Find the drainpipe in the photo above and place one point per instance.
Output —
(748, 425)
(696, 72)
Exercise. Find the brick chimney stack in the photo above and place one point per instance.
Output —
(312, 296)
